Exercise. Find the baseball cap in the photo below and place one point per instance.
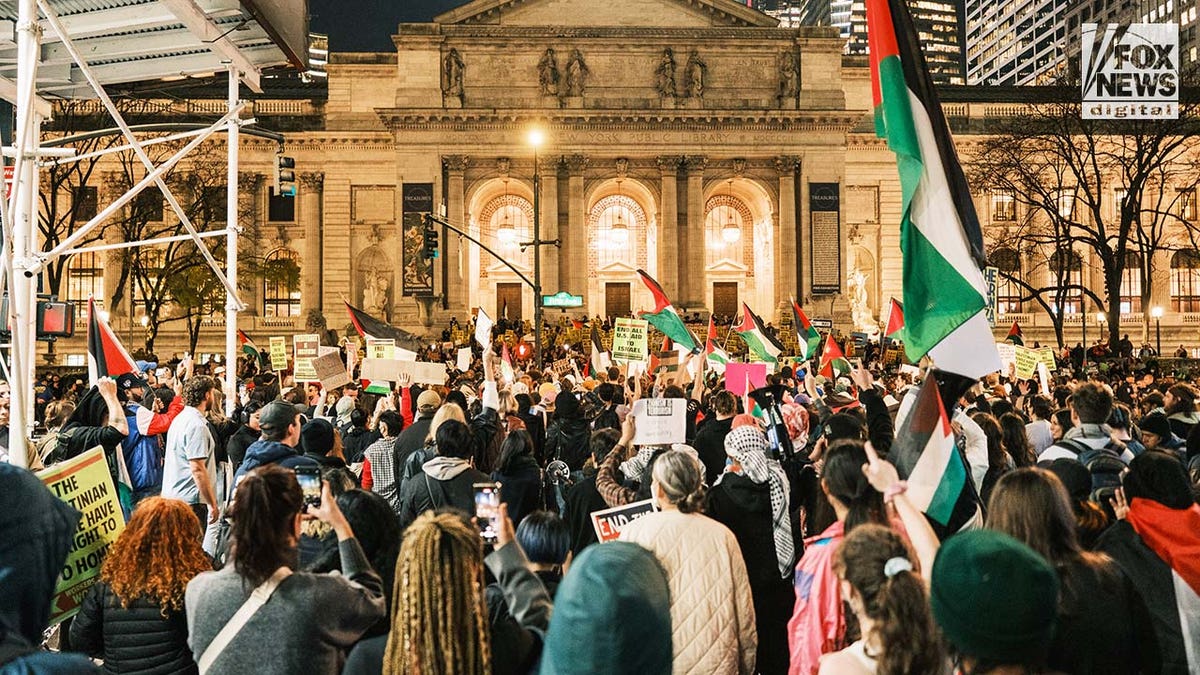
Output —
(276, 415)
(129, 381)
(428, 401)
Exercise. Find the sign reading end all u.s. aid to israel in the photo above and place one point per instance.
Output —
(1130, 71)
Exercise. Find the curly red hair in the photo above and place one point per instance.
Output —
(157, 555)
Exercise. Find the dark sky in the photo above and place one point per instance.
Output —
(368, 25)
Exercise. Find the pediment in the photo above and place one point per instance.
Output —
(617, 267)
(725, 265)
(610, 13)
(498, 268)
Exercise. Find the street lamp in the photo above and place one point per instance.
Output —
(536, 138)
(1157, 313)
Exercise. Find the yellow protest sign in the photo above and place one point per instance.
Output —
(381, 349)
(1027, 361)
(279, 358)
(1046, 355)
(84, 483)
(629, 340)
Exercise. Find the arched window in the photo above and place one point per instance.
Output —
(1008, 292)
(1185, 281)
(728, 230)
(617, 232)
(507, 221)
(1067, 268)
(1131, 283)
(281, 290)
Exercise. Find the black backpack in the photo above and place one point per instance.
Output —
(1104, 464)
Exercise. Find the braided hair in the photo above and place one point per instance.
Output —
(439, 612)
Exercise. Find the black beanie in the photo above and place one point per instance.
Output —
(316, 437)
(1159, 477)
(566, 405)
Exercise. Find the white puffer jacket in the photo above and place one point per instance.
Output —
(712, 611)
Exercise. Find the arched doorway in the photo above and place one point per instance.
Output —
(620, 240)
(738, 241)
(501, 217)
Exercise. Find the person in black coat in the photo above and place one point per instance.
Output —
(534, 423)
(519, 476)
(129, 618)
(413, 438)
(710, 437)
(582, 499)
(742, 499)
(357, 436)
(245, 436)
(568, 435)
(446, 480)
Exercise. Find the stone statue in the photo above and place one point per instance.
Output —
(695, 72)
(577, 73)
(548, 73)
(864, 320)
(452, 74)
(664, 75)
(789, 76)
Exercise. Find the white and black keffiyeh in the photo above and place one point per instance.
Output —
(747, 446)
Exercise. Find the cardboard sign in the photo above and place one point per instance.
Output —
(391, 370)
(464, 359)
(279, 358)
(331, 371)
(1027, 361)
(660, 421)
(84, 483)
(1046, 355)
(305, 348)
(737, 373)
(629, 341)
(381, 349)
(561, 367)
(609, 522)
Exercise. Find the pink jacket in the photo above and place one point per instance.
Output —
(817, 625)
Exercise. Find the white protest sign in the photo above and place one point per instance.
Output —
(331, 371)
(609, 522)
(464, 359)
(660, 421)
(483, 329)
(420, 372)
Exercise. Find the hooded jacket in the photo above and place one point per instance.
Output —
(443, 482)
(624, 628)
(567, 439)
(261, 453)
(35, 536)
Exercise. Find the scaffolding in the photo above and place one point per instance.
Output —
(74, 49)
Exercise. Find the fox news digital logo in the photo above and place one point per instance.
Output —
(1131, 72)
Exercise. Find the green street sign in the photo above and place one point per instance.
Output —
(562, 299)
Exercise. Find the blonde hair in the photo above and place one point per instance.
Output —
(446, 412)
(439, 612)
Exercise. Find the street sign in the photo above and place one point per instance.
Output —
(822, 325)
(562, 299)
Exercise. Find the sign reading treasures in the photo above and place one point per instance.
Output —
(825, 251)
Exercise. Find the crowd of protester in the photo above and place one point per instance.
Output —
(756, 559)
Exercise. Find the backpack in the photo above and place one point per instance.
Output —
(1104, 464)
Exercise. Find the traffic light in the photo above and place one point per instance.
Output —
(285, 175)
(430, 243)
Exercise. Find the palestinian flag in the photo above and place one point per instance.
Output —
(806, 335)
(754, 332)
(576, 324)
(1015, 336)
(940, 238)
(249, 348)
(370, 328)
(939, 482)
(714, 356)
(833, 361)
(1174, 536)
(506, 364)
(106, 357)
(599, 360)
(665, 318)
(895, 320)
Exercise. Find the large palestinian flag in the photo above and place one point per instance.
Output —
(106, 356)
(757, 338)
(1174, 536)
(808, 337)
(940, 238)
(665, 318)
(939, 482)
(714, 356)
(250, 349)
(369, 327)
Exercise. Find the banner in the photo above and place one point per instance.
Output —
(305, 348)
(331, 371)
(420, 372)
(629, 341)
(990, 276)
(736, 375)
(825, 249)
(279, 357)
(416, 200)
(609, 522)
(660, 421)
(84, 483)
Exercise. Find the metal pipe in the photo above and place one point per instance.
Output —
(232, 303)
(537, 262)
(142, 242)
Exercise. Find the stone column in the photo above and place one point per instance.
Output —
(692, 289)
(788, 264)
(455, 285)
(573, 259)
(312, 187)
(548, 175)
(668, 226)
(251, 216)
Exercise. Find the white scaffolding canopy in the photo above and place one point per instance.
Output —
(75, 49)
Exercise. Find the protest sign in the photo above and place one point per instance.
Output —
(1008, 354)
(561, 367)
(1027, 361)
(420, 372)
(1046, 355)
(351, 358)
(660, 421)
(736, 375)
(483, 329)
(381, 349)
(464, 359)
(279, 358)
(84, 483)
(609, 522)
(305, 348)
(331, 371)
(629, 341)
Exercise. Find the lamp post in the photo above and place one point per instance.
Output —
(1083, 334)
(1101, 319)
(535, 140)
(1157, 313)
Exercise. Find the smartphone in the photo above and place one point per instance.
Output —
(309, 478)
(487, 510)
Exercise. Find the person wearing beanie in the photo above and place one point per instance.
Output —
(1157, 434)
(1103, 626)
(1155, 540)
(568, 434)
(751, 499)
(995, 600)
(320, 441)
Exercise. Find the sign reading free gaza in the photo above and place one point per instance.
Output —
(1130, 72)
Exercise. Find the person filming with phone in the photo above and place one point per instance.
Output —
(261, 614)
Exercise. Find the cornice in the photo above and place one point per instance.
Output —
(408, 119)
(639, 33)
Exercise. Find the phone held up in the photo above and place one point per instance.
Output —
(487, 510)
(309, 478)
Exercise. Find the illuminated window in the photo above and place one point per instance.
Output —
(85, 277)
(1131, 284)
(280, 299)
(1008, 292)
(1185, 281)
(1067, 268)
(1004, 205)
